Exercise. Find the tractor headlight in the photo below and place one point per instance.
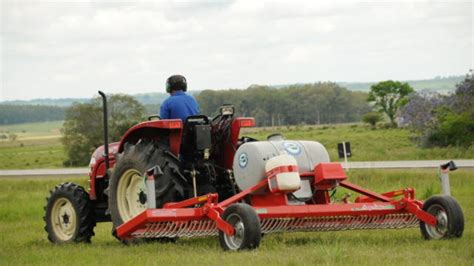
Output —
(92, 162)
(227, 110)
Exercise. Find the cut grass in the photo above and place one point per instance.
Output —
(23, 241)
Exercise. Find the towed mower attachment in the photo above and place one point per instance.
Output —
(275, 213)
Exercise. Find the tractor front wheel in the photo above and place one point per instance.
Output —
(449, 216)
(246, 224)
(69, 215)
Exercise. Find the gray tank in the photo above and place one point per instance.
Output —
(251, 157)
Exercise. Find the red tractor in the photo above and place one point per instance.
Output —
(167, 179)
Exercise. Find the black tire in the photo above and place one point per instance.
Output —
(138, 158)
(450, 218)
(247, 225)
(69, 214)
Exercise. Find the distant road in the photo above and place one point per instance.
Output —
(408, 164)
(352, 165)
(45, 172)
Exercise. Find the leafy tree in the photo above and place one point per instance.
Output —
(454, 129)
(456, 119)
(372, 118)
(440, 120)
(388, 96)
(463, 99)
(420, 111)
(83, 126)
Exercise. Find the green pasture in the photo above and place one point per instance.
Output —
(32, 154)
(37, 145)
(366, 144)
(23, 240)
(28, 130)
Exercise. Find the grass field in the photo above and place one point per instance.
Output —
(366, 144)
(28, 130)
(23, 241)
(39, 145)
(32, 153)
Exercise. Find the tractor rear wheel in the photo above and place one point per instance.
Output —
(69, 215)
(246, 224)
(449, 216)
(127, 191)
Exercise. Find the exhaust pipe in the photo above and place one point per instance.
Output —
(106, 130)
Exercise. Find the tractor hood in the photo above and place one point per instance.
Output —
(98, 154)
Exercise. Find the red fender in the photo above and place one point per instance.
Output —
(145, 130)
(152, 130)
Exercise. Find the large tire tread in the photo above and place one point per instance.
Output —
(142, 156)
(79, 198)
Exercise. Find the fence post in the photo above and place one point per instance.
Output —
(444, 170)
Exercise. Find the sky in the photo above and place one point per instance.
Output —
(71, 49)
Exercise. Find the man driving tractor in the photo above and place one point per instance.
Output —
(179, 104)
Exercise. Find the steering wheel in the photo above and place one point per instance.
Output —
(154, 116)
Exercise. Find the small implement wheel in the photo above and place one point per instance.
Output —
(449, 216)
(69, 215)
(246, 224)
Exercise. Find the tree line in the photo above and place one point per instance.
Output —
(17, 114)
(310, 104)
(317, 103)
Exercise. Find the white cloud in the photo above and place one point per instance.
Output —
(71, 49)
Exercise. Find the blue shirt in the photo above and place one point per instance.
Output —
(179, 105)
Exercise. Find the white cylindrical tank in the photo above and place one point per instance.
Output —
(251, 158)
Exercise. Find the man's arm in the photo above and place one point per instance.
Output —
(165, 111)
(196, 105)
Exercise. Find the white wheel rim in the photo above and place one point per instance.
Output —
(64, 219)
(130, 194)
(441, 228)
(234, 242)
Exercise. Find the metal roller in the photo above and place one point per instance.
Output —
(207, 227)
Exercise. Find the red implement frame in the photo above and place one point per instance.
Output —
(276, 206)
